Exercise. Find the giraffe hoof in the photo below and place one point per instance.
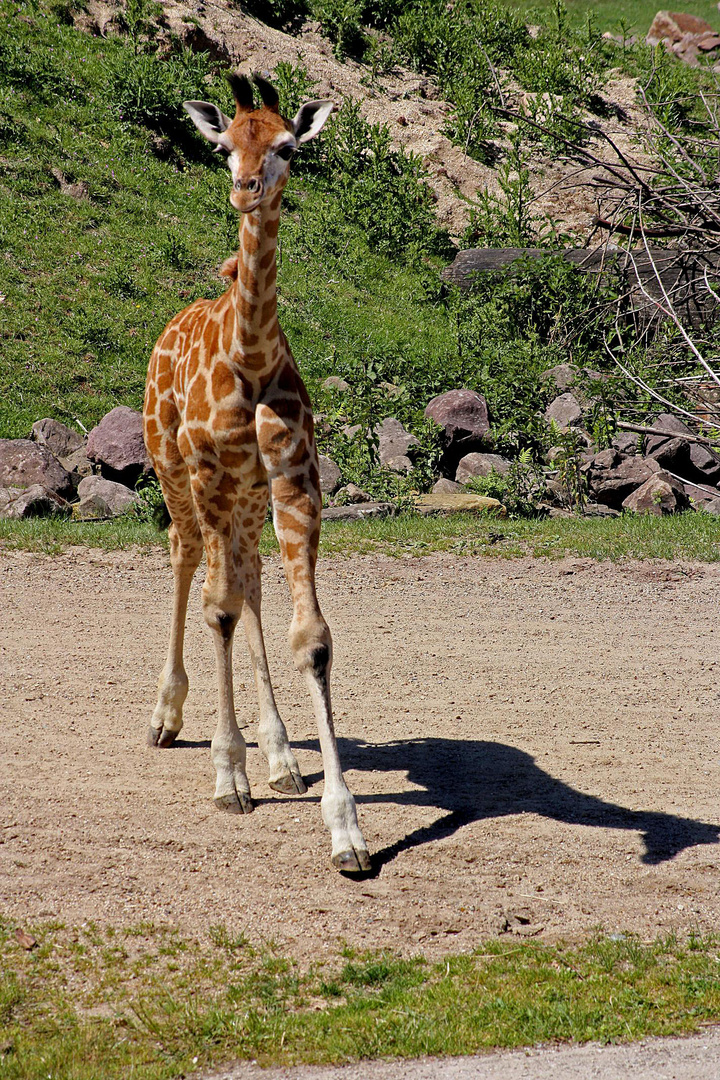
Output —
(289, 784)
(236, 803)
(161, 737)
(354, 861)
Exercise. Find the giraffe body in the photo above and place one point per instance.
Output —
(227, 418)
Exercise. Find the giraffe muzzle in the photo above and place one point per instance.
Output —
(247, 193)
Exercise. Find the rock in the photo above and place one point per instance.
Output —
(78, 190)
(599, 510)
(117, 498)
(665, 422)
(351, 431)
(34, 501)
(564, 410)
(446, 487)
(705, 462)
(659, 495)
(60, 439)
(606, 459)
(334, 382)
(353, 494)
(480, 465)
(92, 508)
(673, 454)
(699, 495)
(612, 486)
(330, 475)
(78, 464)
(672, 26)
(463, 417)
(626, 442)
(453, 503)
(117, 445)
(394, 442)
(562, 376)
(24, 463)
(359, 511)
(712, 507)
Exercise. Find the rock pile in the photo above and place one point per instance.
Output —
(687, 36)
(59, 471)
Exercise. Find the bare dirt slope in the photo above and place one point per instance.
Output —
(533, 746)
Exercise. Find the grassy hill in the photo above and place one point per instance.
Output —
(114, 215)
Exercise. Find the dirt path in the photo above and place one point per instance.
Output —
(534, 748)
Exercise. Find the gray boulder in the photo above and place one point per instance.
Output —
(116, 497)
(562, 376)
(565, 411)
(659, 495)
(612, 478)
(330, 475)
(705, 462)
(78, 464)
(480, 465)
(334, 382)
(443, 486)
(60, 439)
(666, 422)
(394, 442)
(626, 443)
(92, 508)
(35, 501)
(116, 444)
(24, 463)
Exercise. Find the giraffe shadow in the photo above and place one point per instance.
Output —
(473, 780)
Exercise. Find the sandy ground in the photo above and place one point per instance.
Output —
(533, 747)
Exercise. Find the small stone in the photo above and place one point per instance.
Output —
(330, 475)
(359, 511)
(454, 503)
(117, 497)
(473, 465)
(562, 376)
(394, 442)
(443, 486)
(353, 494)
(564, 410)
(334, 382)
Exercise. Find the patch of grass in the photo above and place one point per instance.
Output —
(609, 14)
(690, 536)
(152, 1003)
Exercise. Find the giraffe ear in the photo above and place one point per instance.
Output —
(311, 119)
(208, 119)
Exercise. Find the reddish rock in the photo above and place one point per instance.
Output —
(117, 497)
(35, 501)
(24, 463)
(659, 495)
(117, 445)
(463, 417)
(672, 26)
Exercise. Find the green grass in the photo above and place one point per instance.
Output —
(608, 14)
(155, 1004)
(684, 536)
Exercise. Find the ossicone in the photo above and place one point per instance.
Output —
(267, 92)
(241, 91)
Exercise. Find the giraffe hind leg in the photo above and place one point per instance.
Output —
(185, 553)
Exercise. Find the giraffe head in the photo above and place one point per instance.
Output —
(259, 143)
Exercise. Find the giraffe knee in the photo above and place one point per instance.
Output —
(312, 648)
(220, 619)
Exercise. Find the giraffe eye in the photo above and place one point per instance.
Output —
(286, 152)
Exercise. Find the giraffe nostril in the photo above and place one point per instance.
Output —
(253, 185)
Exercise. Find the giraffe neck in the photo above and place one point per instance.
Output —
(254, 292)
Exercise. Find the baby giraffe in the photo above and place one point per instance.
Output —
(227, 417)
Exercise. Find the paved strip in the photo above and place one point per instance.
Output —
(693, 1058)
